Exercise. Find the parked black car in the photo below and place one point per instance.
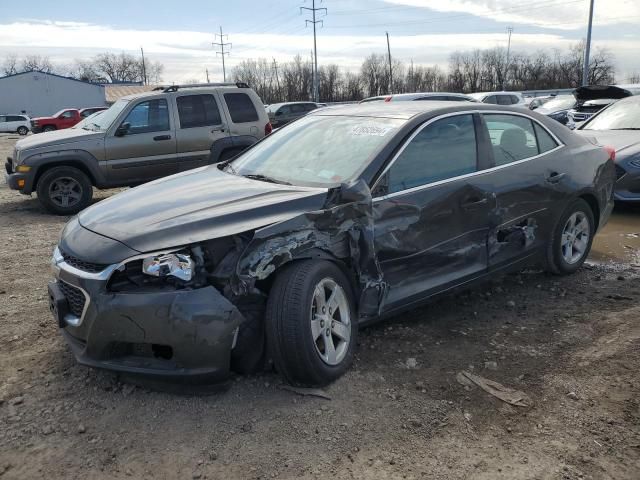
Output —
(282, 113)
(345, 216)
(619, 127)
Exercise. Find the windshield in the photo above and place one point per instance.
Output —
(622, 115)
(321, 151)
(103, 121)
(559, 103)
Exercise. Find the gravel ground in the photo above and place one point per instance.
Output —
(570, 343)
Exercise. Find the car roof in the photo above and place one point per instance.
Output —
(408, 110)
(409, 96)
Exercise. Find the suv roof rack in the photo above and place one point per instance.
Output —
(175, 88)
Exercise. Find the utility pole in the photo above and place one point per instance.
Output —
(207, 72)
(275, 67)
(390, 70)
(587, 47)
(144, 68)
(222, 53)
(506, 68)
(313, 10)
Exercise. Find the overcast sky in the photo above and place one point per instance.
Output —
(179, 34)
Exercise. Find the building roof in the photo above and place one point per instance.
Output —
(51, 75)
(116, 91)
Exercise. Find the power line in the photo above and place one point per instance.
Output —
(313, 10)
(222, 53)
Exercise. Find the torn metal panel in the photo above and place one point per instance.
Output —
(343, 229)
(518, 236)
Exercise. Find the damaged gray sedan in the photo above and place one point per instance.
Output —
(345, 216)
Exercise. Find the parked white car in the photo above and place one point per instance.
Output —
(500, 98)
(15, 124)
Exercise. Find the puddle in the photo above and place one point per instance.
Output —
(619, 240)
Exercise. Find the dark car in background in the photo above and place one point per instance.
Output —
(591, 99)
(282, 113)
(345, 216)
(619, 126)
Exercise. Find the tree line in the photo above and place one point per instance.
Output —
(467, 72)
(103, 68)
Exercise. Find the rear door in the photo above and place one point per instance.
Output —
(200, 124)
(528, 180)
(242, 114)
(431, 211)
(147, 150)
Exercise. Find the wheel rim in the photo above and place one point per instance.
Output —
(22, 131)
(65, 192)
(575, 238)
(330, 321)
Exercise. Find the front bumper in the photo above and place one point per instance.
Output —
(14, 180)
(179, 335)
(627, 187)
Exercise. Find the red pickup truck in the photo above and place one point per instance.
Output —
(66, 118)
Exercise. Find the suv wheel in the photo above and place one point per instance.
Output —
(23, 130)
(572, 238)
(64, 190)
(311, 323)
(48, 128)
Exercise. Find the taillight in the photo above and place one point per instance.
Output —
(268, 128)
(611, 151)
(388, 99)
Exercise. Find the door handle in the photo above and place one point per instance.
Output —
(473, 202)
(219, 128)
(159, 138)
(555, 177)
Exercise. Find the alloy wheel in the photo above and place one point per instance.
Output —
(575, 238)
(330, 321)
(65, 192)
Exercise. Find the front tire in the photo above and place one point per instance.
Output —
(22, 130)
(572, 238)
(64, 190)
(311, 323)
(48, 128)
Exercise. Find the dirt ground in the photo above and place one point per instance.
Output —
(572, 344)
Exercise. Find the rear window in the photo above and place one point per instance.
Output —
(198, 111)
(241, 108)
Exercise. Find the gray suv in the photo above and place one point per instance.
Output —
(140, 138)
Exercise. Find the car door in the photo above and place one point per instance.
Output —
(242, 114)
(3, 124)
(431, 211)
(67, 119)
(143, 146)
(527, 178)
(200, 124)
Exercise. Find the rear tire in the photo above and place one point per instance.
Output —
(311, 323)
(48, 128)
(64, 190)
(22, 130)
(572, 238)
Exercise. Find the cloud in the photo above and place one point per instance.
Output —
(185, 54)
(562, 15)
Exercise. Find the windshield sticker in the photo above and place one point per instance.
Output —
(371, 129)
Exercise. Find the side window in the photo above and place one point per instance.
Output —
(149, 116)
(310, 106)
(297, 108)
(432, 97)
(445, 149)
(198, 111)
(514, 99)
(490, 99)
(512, 138)
(504, 99)
(456, 99)
(67, 114)
(15, 118)
(545, 141)
(285, 110)
(241, 108)
(3, 119)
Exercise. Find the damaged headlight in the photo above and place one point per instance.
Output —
(177, 265)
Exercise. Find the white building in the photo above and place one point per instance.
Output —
(43, 94)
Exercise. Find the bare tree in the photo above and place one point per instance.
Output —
(10, 64)
(36, 63)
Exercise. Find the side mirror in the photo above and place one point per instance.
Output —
(353, 192)
(122, 130)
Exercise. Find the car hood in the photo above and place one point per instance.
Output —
(594, 92)
(195, 206)
(57, 137)
(625, 142)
